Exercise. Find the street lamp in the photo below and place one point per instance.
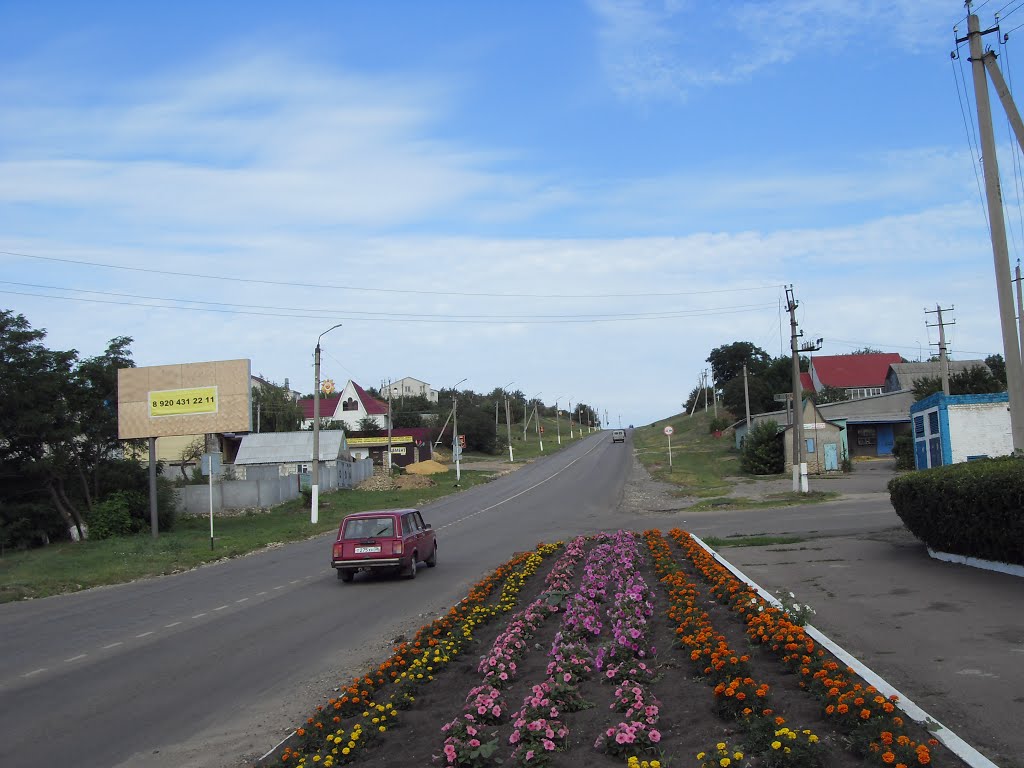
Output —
(456, 444)
(314, 512)
(568, 410)
(508, 421)
(558, 429)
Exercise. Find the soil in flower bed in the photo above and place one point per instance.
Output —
(688, 722)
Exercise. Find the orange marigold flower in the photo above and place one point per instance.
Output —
(888, 758)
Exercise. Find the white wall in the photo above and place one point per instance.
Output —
(979, 429)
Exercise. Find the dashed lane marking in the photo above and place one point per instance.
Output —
(75, 658)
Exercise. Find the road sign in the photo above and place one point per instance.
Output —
(785, 398)
(462, 441)
(542, 430)
(456, 454)
(669, 430)
(210, 464)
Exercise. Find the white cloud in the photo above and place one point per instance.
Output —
(661, 49)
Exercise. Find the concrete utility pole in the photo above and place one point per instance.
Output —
(997, 226)
(746, 396)
(569, 411)
(387, 464)
(1020, 309)
(943, 356)
(314, 512)
(799, 468)
(508, 426)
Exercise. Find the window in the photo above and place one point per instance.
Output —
(350, 405)
(933, 423)
(867, 436)
(419, 522)
(810, 445)
(919, 426)
(369, 527)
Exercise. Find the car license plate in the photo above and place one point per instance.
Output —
(367, 550)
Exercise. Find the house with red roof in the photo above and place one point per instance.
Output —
(859, 375)
(347, 407)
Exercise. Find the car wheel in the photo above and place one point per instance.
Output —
(345, 575)
(411, 572)
(432, 560)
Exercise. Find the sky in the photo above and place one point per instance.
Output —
(577, 199)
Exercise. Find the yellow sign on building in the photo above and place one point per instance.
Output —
(378, 441)
(177, 402)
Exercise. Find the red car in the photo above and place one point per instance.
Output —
(387, 539)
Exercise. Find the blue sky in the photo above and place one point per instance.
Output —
(580, 197)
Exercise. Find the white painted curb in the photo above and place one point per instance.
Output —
(954, 743)
(974, 562)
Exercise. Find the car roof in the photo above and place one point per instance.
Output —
(379, 512)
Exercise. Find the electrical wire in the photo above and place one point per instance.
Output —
(1016, 149)
(968, 126)
(335, 287)
(415, 318)
(368, 314)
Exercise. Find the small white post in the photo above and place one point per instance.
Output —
(211, 502)
(670, 451)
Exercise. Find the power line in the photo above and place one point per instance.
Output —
(413, 319)
(335, 287)
(368, 314)
(971, 144)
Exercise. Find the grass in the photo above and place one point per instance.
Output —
(770, 501)
(701, 462)
(69, 566)
(757, 540)
(528, 449)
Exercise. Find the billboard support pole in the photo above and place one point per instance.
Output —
(153, 516)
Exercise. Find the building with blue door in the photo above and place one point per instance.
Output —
(949, 429)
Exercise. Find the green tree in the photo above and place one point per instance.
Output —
(997, 365)
(763, 452)
(976, 380)
(830, 394)
(274, 410)
(727, 361)
(367, 424)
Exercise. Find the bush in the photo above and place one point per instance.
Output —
(763, 453)
(28, 525)
(719, 424)
(112, 516)
(903, 450)
(970, 509)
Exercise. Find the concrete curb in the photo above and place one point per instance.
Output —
(974, 562)
(954, 743)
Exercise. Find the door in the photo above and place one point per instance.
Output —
(831, 457)
(885, 439)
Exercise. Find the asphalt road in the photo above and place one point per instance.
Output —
(189, 669)
(207, 668)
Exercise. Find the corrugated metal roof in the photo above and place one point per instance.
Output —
(288, 447)
(909, 373)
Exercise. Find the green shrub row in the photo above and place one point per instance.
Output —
(975, 509)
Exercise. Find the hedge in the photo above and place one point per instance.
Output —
(975, 509)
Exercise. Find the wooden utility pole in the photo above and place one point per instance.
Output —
(943, 352)
(997, 227)
(798, 411)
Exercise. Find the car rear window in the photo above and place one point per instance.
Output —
(369, 527)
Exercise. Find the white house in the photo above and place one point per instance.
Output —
(949, 429)
(347, 407)
(410, 387)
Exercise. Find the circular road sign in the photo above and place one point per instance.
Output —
(669, 430)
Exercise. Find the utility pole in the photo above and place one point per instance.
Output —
(704, 384)
(943, 356)
(508, 426)
(799, 468)
(388, 463)
(569, 411)
(997, 227)
(746, 396)
(1020, 309)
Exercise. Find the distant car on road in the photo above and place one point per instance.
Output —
(618, 436)
(394, 540)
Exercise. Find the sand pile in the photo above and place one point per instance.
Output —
(430, 467)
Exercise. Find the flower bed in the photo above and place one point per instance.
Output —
(634, 651)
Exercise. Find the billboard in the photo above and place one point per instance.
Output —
(184, 399)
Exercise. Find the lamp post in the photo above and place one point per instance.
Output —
(558, 429)
(456, 444)
(508, 421)
(314, 512)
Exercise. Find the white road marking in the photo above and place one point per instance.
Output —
(112, 645)
(198, 615)
(260, 594)
(295, 581)
(172, 624)
(279, 587)
(220, 608)
(525, 490)
(145, 634)
(75, 658)
(34, 672)
(242, 600)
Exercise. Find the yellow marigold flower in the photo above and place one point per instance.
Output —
(655, 764)
(720, 745)
(381, 728)
(813, 739)
(776, 745)
(345, 750)
(725, 762)
(700, 755)
(737, 755)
